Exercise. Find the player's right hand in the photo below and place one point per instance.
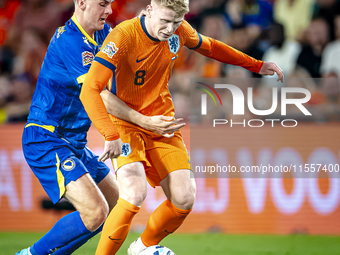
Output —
(270, 68)
(163, 125)
(112, 149)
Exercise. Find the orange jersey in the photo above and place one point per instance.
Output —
(138, 68)
(144, 64)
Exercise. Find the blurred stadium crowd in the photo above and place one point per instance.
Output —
(301, 36)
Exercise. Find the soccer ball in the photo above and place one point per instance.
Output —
(157, 250)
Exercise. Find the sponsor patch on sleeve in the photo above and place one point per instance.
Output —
(110, 49)
(87, 58)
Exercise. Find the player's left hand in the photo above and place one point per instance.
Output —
(270, 68)
(112, 149)
(163, 125)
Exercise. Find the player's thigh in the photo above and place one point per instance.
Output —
(97, 169)
(110, 190)
(132, 182)
(133, 149)
(54, 161)
(166, 156)
(102, 176)
(85, 196)
(180, 188)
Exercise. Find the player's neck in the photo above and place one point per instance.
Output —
(148, 27)
(82, 23)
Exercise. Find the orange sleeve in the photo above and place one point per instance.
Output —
(102, 69)
(221, 52)
(217, 50)
(93, 103)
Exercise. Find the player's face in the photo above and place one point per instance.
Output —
(163, 21)
(96, 13)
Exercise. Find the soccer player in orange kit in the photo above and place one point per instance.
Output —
(136, 60)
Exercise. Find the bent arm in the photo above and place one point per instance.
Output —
(119, 109)
(93, 103)
(162, 125)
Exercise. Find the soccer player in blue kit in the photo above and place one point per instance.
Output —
(54, 139)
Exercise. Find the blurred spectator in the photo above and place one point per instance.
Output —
(327, 99)
(283, 52)
(42, 14)
(7, 53)
(17, 108)
(8, 40)
(310, 56)
(8, 9)
(31, 52)
(244, 39)
(67, 10)
(212, 26)
(200, 9)
(294, 15)
(257, 13)
(5, 88)
(331, 55)
(126, 9)
(327, 9)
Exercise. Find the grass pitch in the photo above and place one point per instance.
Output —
(204, 244)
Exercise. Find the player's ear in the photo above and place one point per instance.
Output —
(149, 10)
(81, 4)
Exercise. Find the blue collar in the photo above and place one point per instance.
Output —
(142, 22)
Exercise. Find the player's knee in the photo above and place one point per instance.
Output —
(136, 198)
(96, 215)
(134, 190)
(185, 199)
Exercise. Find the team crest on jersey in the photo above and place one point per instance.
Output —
(173, 42)
(68, 164)
(110, 49)
(126, 150)
(87, 58)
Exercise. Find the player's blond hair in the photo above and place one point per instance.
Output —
(180, 7)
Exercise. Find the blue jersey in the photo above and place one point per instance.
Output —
(56, 100)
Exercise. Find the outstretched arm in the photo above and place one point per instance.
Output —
(162, 125)
(222, 52)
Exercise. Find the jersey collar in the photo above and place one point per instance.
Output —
(142, 22)
(74, 19)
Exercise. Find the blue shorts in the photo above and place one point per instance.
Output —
(55, 162)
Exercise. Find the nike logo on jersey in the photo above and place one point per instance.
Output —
(166, 231)
(140, 60)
